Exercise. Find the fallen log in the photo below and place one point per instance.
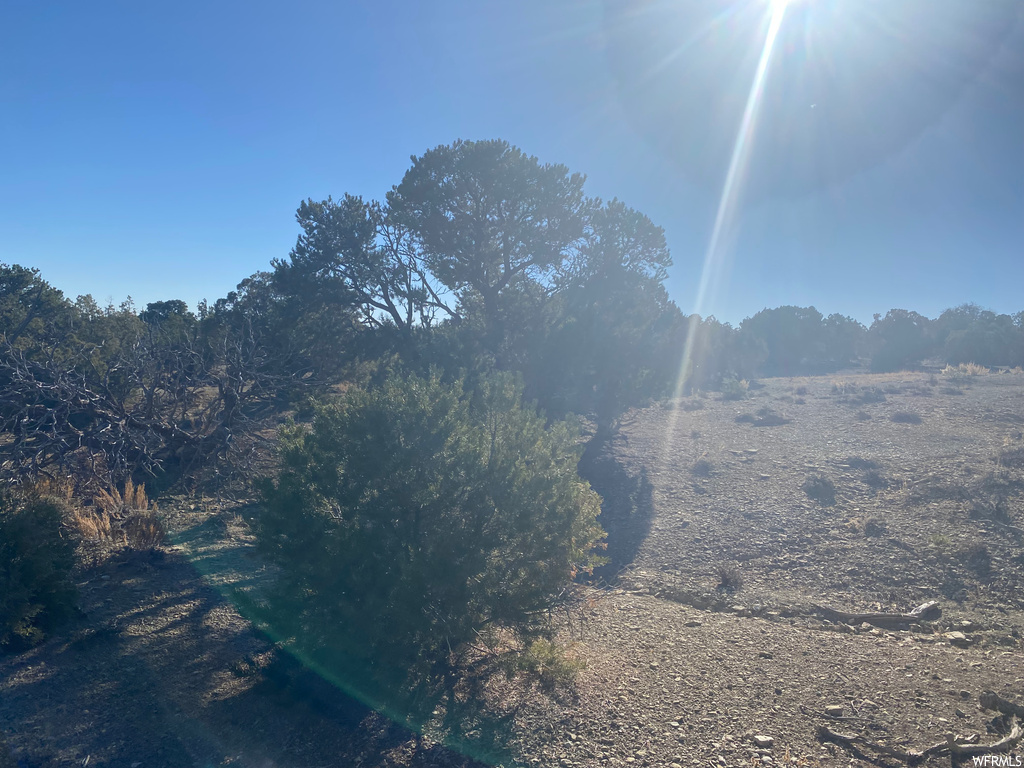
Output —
(1005, 744)
(929, 611)
(951, 746)
(910, 756)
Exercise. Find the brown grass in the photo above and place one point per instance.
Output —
(963, 370)
(126, 517)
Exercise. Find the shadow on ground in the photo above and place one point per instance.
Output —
(163, 671)
(627, 503)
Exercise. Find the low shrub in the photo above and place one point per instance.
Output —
(121, 517)
(869, 396)
(729, 577)
(552, 665)
(765, 417)
(734, 389)
(906, 417)
(37, 554)
(820, 489)
(875, 480)
(702, 468)
(963, 371)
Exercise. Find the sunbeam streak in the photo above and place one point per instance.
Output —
(714, 254)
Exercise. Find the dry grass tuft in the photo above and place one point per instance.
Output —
(126, 518)
(963, 371)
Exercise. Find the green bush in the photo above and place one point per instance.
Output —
(413, 515)
(36, 558)
(734, 389)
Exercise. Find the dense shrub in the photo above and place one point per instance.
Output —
(413, 516)
(36, 558)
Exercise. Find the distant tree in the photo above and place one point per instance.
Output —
(160, 312)
(800, 341)
(901, 339)
(969, 333)
(711, 351)
(845, 340)
(793, 337)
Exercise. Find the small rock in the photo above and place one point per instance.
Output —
(766, 655)
(834, 710)
(958, 639)
(765, 742)
(692, 623)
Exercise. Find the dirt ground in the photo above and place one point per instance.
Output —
(711, 634)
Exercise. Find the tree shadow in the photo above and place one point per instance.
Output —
(164, 671)
(627, 503)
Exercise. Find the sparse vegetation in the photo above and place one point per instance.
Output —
(869, 396)
(554, 666)
(979, 560)
(765, 417)
(430, 527)
(702, 468)
(1011, 456)
(906, 417)
(875, 480)
(123, 518)
(734, 389)
(963, 371)
(729, 577)
(821, 489)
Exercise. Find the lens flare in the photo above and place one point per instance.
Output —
(727, 203)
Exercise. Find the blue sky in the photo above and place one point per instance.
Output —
(160, 149)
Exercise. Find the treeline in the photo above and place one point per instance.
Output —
(481, 259)
(800, 341)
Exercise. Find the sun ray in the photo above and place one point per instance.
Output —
(727, 203)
